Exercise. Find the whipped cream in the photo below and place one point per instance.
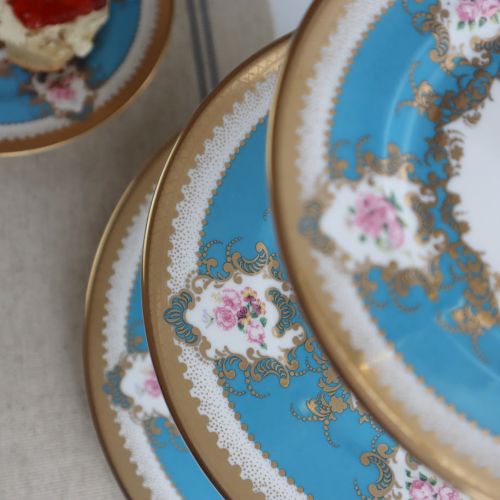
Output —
(57, 42)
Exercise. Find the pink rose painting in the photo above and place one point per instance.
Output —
(421, 490)
(231, 298)
(65, 91)
(224, 317)
(60, 89)
(151, 385)
(255, 332)
(468, 10)
(446, 492)
(377, 217)
(489, 7)
(471, 11)
(242, 309)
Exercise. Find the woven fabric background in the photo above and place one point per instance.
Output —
(53, 207)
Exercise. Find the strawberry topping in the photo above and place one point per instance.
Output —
(35, 14)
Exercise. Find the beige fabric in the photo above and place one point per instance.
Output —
(53, 208)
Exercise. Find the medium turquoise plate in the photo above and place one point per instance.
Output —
(250, 388)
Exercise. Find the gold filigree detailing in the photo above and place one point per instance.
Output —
(425, 99)
(465, 102)
(154, 429)
(431, 22)
(395, 163)
(437, 21)
(480, 311)
(332, 401)
(385, 485)
(336, 167)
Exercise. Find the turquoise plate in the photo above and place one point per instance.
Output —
(385, 170)
(249, 386)
(39, 110)
(142, 443)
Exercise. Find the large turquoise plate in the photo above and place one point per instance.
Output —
(386, 178)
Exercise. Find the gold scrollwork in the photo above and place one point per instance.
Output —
(254, 367)
(436, 21)
(332, 401)
(385, 485)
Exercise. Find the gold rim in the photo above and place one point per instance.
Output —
(321, 20)
(103, 415)
(161, 339)
(134, 85)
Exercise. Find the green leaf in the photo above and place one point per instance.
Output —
(433, 481)
(422, 477)
(362, 238)
(408, 473)
(351, 210)
(263, 345)
(263, 321)
(254, 314)
(472, 24)
(240, 326)
(461, 25)
(408, 485)
(482, 21)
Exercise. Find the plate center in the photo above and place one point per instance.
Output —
(475, 180)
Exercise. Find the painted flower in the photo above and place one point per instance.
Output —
(372, 213)
(242, 313)
(446, 492)
(468, 10)
(375, 215)
(489, 7)
(151, 385)
(65, 91)
(258, 307)
(396, 234)
(231, 298)
(421, 490)
(249, 294)
(224, 317)
(255, 332)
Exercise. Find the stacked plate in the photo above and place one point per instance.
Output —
(320, 279)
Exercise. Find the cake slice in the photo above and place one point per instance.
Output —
(43, 35)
